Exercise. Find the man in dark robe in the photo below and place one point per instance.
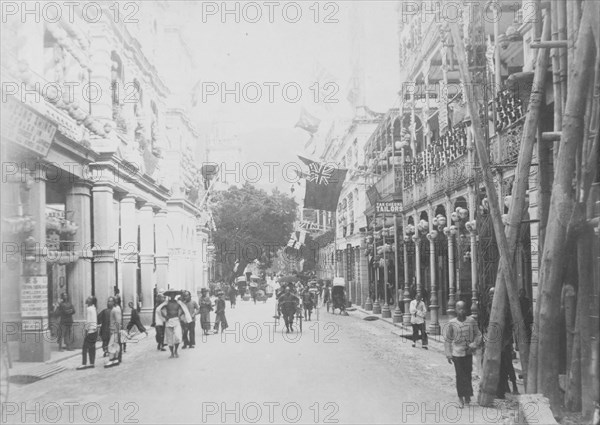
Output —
(287, 304)
(104, 323)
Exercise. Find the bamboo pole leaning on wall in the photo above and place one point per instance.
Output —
(506, 282)
(562, 205)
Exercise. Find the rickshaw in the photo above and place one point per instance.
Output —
(338, 295)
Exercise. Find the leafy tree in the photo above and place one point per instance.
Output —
(251, 225)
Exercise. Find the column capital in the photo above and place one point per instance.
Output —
(149, 206)
(161, 213)
(103, 186)
(81, 187)
(128, 199)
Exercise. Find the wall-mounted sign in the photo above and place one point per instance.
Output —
(23, 125)
(308, 225)
(34, 296)
(388, 207)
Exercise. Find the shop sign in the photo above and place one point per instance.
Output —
(308, 225)
(24, 126)
(388, 207)
(34, 296)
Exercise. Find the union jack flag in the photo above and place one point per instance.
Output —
(320, 173)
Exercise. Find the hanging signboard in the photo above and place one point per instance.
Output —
(24, 126)
(388, 207)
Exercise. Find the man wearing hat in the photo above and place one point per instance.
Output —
(205, 309)
(173, 312)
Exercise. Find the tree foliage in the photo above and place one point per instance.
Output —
(251, 224)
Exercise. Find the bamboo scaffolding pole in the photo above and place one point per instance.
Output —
(561, 208)
(561, 15)
(506, 282)
(557, 87)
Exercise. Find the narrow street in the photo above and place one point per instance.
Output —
(339, 370)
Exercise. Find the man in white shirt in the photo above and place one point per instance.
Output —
(418, 312)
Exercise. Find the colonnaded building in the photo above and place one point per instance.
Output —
(100, 192)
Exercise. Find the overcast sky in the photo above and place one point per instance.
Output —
(282, 52)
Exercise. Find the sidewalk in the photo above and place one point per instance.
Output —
(436, 342)
(27, 372)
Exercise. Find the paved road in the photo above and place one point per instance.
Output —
(339, 370)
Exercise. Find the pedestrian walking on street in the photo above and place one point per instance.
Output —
(418, 312)
(232, 296)
(65, 311)
(115, 349)
(173, 313)
(135, 320)
(158, 322)
(189, 331)
(104, 322)
(220, 318)
(461, 339)
(308, 303)
(287, 303)
(205, 308)
(91, 334)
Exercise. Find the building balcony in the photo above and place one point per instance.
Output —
(416, 42)
(390, 182)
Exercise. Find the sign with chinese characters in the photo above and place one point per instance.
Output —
(34, 296)
(23, 125)
(388, 207)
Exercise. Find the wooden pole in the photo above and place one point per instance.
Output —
(554, 54)
(561, 207)
(506, 283)
(561, 15)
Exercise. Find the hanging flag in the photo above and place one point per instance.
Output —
(323, 185)
(308, 122)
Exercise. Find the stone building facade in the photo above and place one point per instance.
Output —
(102, 194)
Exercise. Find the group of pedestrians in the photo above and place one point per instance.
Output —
(174, 320)
(463, 339)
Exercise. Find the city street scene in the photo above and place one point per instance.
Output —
(279, 212)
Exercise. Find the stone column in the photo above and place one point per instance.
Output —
(407, 300)
(417, 241)
(129, 250)
(162, 256)
(385, 311)
(79, 273)
(471, 227)
(434, 324)
(397, 311)
(450, 231)
(104, 242)
(147, 261)
(34, 345)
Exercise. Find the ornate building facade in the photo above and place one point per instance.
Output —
(101, 195)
